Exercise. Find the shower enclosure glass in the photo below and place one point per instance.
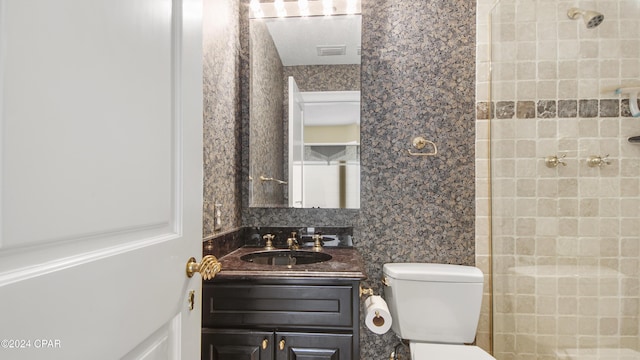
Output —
(565, 181)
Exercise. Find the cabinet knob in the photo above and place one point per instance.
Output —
(265, 344)
(281, 345)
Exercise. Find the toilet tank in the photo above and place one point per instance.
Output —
(433, 302)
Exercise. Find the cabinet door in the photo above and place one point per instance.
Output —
(237, 345)
(314, 346)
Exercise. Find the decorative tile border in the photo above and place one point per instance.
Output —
(547, 109)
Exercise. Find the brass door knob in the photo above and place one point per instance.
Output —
(281, 344)
(208, 268)
(265, 344)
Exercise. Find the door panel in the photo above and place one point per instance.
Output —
(237, 345)
(101, 180)
(312, 346)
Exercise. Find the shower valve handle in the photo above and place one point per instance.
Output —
(554, 161)
(594, 160)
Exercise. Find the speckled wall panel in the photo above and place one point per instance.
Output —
(221, 88)
(324, 77)
(417, 79)
(267, 128)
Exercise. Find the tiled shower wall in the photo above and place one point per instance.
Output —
(565, 239)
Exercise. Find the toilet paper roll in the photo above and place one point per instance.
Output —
(377, 315)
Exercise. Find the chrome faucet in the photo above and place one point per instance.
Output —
(292, 242)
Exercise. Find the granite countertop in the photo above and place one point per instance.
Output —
(346, 263)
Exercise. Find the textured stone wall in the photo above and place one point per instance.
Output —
(324, 77)
(221, 111)
(418, 68)
(417, 79)
(266, 111)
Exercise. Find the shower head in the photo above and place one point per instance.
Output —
(591, 18)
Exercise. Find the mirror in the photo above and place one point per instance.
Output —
(304, 148)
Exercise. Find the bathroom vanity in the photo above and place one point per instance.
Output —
(303, 311)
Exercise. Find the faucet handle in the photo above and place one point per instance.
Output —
(292, 241)
(269, 241)
(317, 242)
(554, 161)
(595, 160)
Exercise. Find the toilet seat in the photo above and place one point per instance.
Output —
(428, 351)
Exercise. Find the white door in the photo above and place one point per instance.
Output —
(101, 178)
(296, 145)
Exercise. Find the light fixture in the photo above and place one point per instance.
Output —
(256, 9)
(280, 10)
(303, 5)
(327, 7)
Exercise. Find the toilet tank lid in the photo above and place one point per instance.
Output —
(433, 272)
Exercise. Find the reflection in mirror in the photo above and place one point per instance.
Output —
(304, 146)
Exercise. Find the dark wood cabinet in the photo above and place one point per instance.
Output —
(281, 319)
(313, 346)
(237, 345)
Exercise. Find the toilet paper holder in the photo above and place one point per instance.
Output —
(377, 315)
(366, 291)
(378, 320)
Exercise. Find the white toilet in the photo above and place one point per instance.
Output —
(436, 308)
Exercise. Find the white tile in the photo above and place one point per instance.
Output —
(568, 69)
(526, 50)
(547, 30)
(568, 30)
(589, 49)
(588, 89)
(609, 49)
(568, 49)
(588, 69)
(526, 31)
(548, 50)
(630, 68)
(526, 90)
(567, 89)
(547, 70)
(547, 89)
(610, 68)
(526, 70)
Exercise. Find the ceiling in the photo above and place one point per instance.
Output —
(298, 38)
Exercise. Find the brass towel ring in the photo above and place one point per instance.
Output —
(419, 143)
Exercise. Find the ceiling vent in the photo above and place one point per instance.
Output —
(331, 50)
